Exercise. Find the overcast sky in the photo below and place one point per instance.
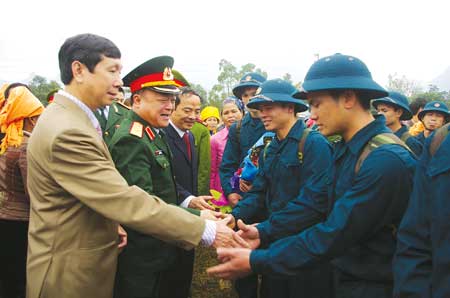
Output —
(409, 38)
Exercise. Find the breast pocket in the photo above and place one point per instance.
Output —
(162, 161)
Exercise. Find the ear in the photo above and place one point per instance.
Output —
(348, 99)
(78, 71)
(399, 112)
(137, 99)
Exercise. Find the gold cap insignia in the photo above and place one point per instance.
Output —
(167, 75)
(437, 105)
(248, 78)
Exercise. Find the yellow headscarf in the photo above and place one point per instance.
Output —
(416, 128)
(21, 104)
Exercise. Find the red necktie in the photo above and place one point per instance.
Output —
(188, 144)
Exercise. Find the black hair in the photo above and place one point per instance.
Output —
(14, 85)
(8, 91)
(417, 104)
(186, 91)
(362, 96)
(121, 90)
(88, 49)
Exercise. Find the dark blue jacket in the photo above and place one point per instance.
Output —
(185, 170)
(420, 138)
(422, 262)
(281, 177)
(413, 143)
(235, 150)
(365, 208)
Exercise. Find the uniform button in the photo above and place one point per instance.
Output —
(106, 133)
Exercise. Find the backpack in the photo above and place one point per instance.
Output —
(301, 145)
(438, 138)
(377, 141)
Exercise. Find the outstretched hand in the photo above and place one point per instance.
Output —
(249, 233)
(226, 237)
(235, 263)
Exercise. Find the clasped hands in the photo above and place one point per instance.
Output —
(234, 253)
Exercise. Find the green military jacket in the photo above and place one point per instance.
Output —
(117, 112)
(203, 146)
(143, 158)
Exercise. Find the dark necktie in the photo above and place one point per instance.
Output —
(188, 144)
(103, 118)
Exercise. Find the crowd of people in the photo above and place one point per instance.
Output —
(335, 190)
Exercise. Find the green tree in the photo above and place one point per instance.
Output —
(41, 87)
(403, 85)
(434, 93)
(287, 77)
(228, 77)
(201, 91)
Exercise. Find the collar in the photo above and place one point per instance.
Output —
(401, 131)
(372, 129)
(83, 107)
(179, 131)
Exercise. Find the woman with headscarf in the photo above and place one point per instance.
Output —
(19, 112)
(231, 112)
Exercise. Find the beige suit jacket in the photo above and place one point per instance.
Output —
(77, 200)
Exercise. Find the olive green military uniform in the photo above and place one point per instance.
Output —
(143, 158)
(117, 112)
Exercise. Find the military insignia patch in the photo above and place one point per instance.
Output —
(136, 129)
(149, 133)
(167, 75)
(158, 152)
(248, 78)
(437, 105)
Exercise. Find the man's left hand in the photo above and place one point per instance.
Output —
(235, 263)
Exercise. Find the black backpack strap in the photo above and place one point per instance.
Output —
(238, 132)
(301, 144)
(438, 138)
(375, 142)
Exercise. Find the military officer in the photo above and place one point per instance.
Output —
(141, 154)
(295, 163)
(369, 187)
(395, 109)
(110, 117)
(433, 116)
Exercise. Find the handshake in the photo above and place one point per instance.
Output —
(246, 237)
(234, 248)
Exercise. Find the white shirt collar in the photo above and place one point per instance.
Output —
(179, 131)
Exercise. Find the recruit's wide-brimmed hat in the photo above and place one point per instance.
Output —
(156, 74)
(434, 106)
(398, 100)
(276, 91)
(340, 72)
(249, 80)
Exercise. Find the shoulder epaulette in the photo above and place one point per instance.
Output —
(123, 105)
(150, 133)
(137, 129)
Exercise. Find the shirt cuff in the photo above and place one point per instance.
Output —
(187, 201)
(258, 258)
(209, 234)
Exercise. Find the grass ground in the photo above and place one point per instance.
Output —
(204, 286)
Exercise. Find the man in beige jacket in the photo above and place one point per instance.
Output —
(78, 197)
